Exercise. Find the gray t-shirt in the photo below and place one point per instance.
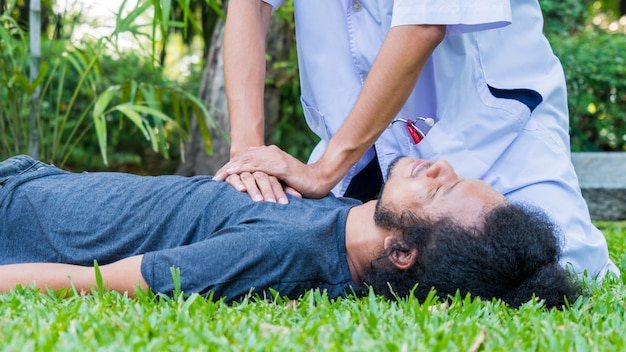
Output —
(221, 241)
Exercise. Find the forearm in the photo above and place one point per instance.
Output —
(387, 87)
(244, 71)
(121, 276)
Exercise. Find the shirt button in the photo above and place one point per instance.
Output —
(356, 5)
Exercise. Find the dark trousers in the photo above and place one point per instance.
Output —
(366, 185)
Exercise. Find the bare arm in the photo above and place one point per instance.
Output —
(387, 87)
(244, 71)
(121, 276)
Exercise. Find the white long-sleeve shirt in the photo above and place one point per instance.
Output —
(489, 43)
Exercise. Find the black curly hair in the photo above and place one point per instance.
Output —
(512, 256)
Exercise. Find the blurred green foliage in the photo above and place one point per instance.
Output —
(585, 34)
(590, 41)
(564, 17)
(86, 86)
(128, 150)
(595, 67)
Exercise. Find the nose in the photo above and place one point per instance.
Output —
(442, 170)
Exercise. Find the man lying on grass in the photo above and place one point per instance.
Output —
(429, 227)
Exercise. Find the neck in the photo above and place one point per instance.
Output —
(364, 240)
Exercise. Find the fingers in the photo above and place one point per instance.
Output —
(229, 169)
(250, 184)
(258, 171)
(223, 174)
(235, 181)
(259, 186)
(269, 188)
(292, 191)
(278, 190)
(268, 159)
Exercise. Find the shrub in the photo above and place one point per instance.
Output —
(78, 99)
(595, 69)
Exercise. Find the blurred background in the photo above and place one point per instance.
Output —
(137, 85)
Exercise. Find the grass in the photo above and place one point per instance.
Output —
(111, 321)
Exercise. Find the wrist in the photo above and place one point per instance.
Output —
(327, 173)
(241, 143)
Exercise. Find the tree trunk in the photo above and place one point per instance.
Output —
(212, 92)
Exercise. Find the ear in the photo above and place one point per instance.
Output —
(400, 254)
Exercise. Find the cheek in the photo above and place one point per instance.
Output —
(406, 199)
(465, 211)
(394, 198)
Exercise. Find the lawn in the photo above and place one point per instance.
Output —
(111, 321)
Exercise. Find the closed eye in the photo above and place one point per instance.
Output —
(451, 187)
(434, 193)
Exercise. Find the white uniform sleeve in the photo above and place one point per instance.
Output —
(461, 16)
(275, 3)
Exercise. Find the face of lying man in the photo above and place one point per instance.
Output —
(434, 190)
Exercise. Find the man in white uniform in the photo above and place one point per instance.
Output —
(481, 70)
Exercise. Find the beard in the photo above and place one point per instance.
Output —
(384, 217)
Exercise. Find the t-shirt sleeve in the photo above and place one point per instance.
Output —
(275, 3)
(460, 16)
(230, 264)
